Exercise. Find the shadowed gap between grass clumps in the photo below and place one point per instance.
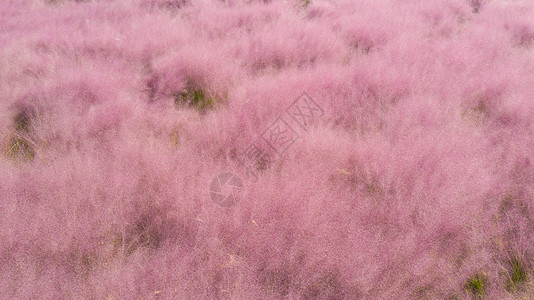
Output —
(145, 232)
(330, 286)
(195, 97)
(151, 230)
(22, 121)
(19, 145)
(276, 280)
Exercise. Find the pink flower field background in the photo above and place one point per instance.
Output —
(122, 120)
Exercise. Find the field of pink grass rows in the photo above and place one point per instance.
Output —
(413, 177)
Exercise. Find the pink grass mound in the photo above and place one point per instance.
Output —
(299, 149)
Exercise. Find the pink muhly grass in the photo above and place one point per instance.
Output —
(416, 181)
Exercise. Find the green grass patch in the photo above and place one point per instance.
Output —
(476, 285)
(194, 97)
(20, 148)
(517, 274)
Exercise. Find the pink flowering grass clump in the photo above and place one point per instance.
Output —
(408, 174)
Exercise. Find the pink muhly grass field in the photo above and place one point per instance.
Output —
(412, 178)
